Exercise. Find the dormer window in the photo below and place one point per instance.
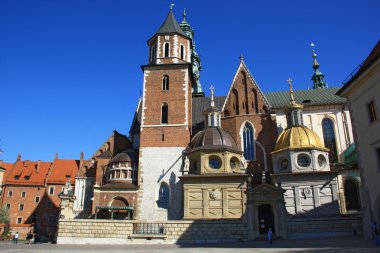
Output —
(165, 82)
(166, 49)
(17, 177)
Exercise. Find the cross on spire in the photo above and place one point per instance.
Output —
(292, 100)
(212, 96)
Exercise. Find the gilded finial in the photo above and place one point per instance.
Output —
(292, 100)
(314, 55)
(184, 14)
(212, 96)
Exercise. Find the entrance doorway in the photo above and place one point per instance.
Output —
(266, 218)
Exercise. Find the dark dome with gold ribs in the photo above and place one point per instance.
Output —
(213, 139)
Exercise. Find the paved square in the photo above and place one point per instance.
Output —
(336, 245)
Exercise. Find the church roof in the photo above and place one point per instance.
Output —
(326, 96)
(170, 25)
(277, 100)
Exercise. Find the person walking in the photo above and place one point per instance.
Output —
(374, 229)
(270, 235)
(15, 238)
(29, 237)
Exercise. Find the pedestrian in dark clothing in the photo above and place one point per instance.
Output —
(29, 237)
(270, 235)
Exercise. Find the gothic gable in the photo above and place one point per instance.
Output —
(244, 96)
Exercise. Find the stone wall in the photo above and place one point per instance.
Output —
(310, 227)
(120, 232)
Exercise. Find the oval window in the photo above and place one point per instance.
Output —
(303, 160)
(214, 162)
(322, 161)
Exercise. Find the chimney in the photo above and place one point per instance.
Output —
(56, 156)
(18, 157)
(38, 166)
(81, 155)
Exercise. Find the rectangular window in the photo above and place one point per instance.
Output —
(37, 199)
(51, 190)
(10, 193)
(373, 116)
(49, 204)
(23, 194)
(19, 220)
(21, 207)
(8, 206)
(52, 220)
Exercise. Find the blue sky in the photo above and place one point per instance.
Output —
(70, 70)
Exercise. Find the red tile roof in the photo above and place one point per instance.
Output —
(62, 170)
(28, 173)
(7, 167)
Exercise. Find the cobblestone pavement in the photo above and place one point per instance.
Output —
(336, 245)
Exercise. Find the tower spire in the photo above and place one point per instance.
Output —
(195, 58)
(318, 77)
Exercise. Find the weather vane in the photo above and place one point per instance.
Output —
(171, 5)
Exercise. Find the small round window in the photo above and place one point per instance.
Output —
(234, 163)
(284, 163)
(322, 161)
(215, 162)
(303, 160)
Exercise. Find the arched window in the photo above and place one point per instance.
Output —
(236, 101)
(351, 195)
(164, 114)
(167, 48)
(165, 82)
(244, 82)
(329, 139)
(182, 52)
(163, 196)
(248, 142)
(256, 102)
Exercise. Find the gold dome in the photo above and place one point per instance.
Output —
(299, 137)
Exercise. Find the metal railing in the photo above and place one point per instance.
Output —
(149, 228)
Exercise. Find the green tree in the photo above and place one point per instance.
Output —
(4, 216)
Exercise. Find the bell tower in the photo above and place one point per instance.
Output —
(165, 121)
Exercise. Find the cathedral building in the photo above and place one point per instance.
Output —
(267, 160)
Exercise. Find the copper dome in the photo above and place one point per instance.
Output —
(121, 157)
(213, 138)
